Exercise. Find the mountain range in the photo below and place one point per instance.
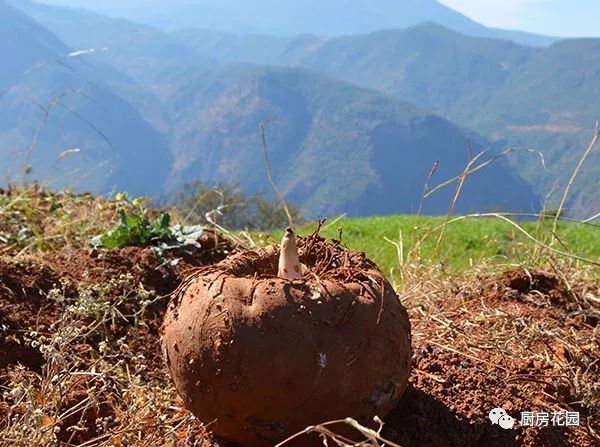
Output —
(353, 117)
(291, 17)
(334, 147)
(61, 121)
(514, 95)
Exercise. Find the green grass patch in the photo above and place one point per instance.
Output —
(466, 242)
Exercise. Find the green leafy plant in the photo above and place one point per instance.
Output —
(137, 229)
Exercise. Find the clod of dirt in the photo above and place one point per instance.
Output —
(261, 357)
(23, 287)
(86, 403)
(524, 281)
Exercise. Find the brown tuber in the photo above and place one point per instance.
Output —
(261, 357)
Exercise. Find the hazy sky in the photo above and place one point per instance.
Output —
(554, 17)
(577, 18)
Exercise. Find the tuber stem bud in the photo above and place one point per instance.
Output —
(289, 263)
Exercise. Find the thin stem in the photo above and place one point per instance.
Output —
(574, 176)
(270, 174)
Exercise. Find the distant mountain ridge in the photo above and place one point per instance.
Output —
(140, 51)
(515, 95)
(142, 54)
(61, 123)
(333, 147)
(428, 64)
(533, 98)
(291, 17)
(18, 29)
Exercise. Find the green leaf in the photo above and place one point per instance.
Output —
(164, 221)
(122, 197)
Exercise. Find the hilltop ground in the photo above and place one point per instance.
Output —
(497, 320)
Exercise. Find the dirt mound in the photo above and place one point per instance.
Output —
(451, 396)
(523, 282)
(537, 287)
(544, 290)
(91, 267)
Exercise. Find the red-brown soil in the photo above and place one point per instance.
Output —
(458, 380)
(36, 294)
(24, 308)
(525, 341)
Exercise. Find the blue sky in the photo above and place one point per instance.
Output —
(555, 17)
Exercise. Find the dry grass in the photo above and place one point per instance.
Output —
(93, 389)
(32, 220)
(327, 433)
